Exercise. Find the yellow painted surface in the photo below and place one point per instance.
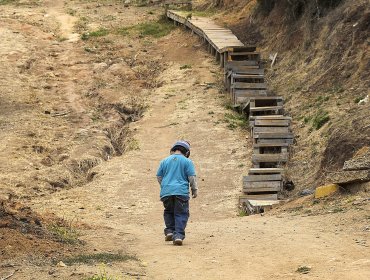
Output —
(326, 190)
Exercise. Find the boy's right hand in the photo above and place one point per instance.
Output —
(194, 193)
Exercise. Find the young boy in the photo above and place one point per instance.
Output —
(175, 174)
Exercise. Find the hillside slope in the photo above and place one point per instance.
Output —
(322, 70)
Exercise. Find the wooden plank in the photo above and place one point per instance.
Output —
(242, 49)
(242, 63)
(249, 85)
(247, 76)
(274, 135)
(266, 145)
(267, 108)
(259, 178)
(245, 69)
(277, 140)
(271, 129)
(268, 186)
(271, 122)
(258, 197)
(239, 71)
(250, 92)
(244, 53)
(257, 158)
(266, 171)
(272, 117)
(269, 98)
(256, 203)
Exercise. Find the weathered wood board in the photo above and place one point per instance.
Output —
(245, 197)
(256, 187)
(282, 157)
(249, 85)
(271, 144)
(259, 178)
(271, 129)
(266, 171)
(274, 135)
(272, 140)
(271, 122)
(267, 108)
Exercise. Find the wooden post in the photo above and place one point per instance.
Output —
(221, 60)
(217, 56)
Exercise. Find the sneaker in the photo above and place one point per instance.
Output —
(177, 242)
(168, 237)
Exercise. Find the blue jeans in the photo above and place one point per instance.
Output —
(176, 215)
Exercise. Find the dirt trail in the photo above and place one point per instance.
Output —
(123, 208)
(219, 244)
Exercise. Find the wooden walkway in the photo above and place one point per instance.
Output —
(245, 83)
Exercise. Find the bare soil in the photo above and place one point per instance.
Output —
(64, 99)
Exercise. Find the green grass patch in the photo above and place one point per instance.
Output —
(64, 234)
(235, 120)
(20, 3)
(5, 2)
(242, 213)
(99, 258)
(102, 276)
(321, 118)
(98, 33)
(154, 29)
(321, 99)
(185, 66)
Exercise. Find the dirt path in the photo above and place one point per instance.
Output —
(219, 245)
(122, 203)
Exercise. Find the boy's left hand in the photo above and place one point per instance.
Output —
(194, 193)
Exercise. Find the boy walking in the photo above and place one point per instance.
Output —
(175, 174)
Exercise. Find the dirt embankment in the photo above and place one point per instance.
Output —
(66, 102)
(67, 96)
(322, 71)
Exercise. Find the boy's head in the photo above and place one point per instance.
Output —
(181, 146)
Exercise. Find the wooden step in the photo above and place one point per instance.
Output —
(242, 63)
(261, 178)
(267, 108)
(249, 92)
(247, 71)
(252, 206)
(258, 158)
(254, 171)
(271, 122)
(271, 117)
(245, 197)
(272, 140)
(274, 135)
(271, 129)
(266, 145)
(258, 187)
(269, 97)
(249, 85)
(244, 53)
(247, 76)
(241, 49)
(243, 69)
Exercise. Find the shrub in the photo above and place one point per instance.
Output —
(320, 119)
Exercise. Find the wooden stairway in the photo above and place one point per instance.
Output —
(245, 82)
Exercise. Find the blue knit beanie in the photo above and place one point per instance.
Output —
(182, 143)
